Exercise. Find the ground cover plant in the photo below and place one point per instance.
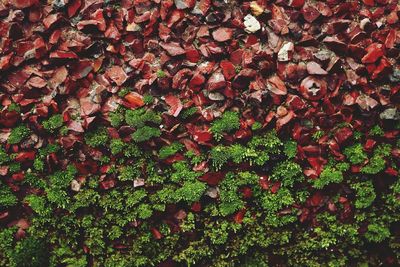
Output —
(199, 133)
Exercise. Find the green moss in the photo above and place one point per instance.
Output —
(288, 172)
(129, 173)
(14, 167)
(18, 134)
(148, 99)
(4, 157)
(290, 149)
(161, 74)
(186, 113)
(226, 124)
(317, 135)
(116, 117)
(170, 150)
(7, 198)
(96, 138)
(124, 91)
(191, 191)
(375, 165)
(355, 154)
(144, 211)
(256, 126)
(377, 232)
(328, 175)
(376, 131)
(53, 123)
(145, 133)
(31, 252)
(117, 146)
(139, 117)
(38, 204)
(14, 107)
(365, 194)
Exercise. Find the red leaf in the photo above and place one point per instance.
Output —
(175, 105)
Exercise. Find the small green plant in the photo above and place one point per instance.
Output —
(161, 74)
(377, 232)
(190, 191)
(31, 252)
(329, 175)
(287, 172)
(375, 165)
(4, 157)
(123, 92)
(53, 123)
(290, 149)
(18, 134)
(355, 154)
(117, 146)
(365, 194)
(139, 117)
(14, 107)
(170, 150)
(227, 123)
(256, 126)
(7, 198)
(116, 117)
(96, 138)
(186, 113)
(148, 99)
(129, 173)
(145, 133)
(376, 131)
(317, 135)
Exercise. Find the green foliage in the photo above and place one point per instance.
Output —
(38, 204)
(377, 232)
(117, 146)
(14, 167)
(186, 113)
(144, 211)
(288, 172)
(148, 99)
(161, 74)
(145, 133)
(275, 202)
(139, 117)
(256, 151)
(31, 252)
(227, 123)
(376, 131)
(229, 196)
(365, 194)
(190, 191)
(96, 138)
(53, 123)
(355, 154)
(4, 157)
(124, 91)
(375, 165)
(116, 117)
(317, 135)
(170, 150)
(62, 179)
(14, 107)
(328, 175)
(256, 126)
(7, 198)
(214, 236)
(18, 134)
(129, 173)
(290, 149)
